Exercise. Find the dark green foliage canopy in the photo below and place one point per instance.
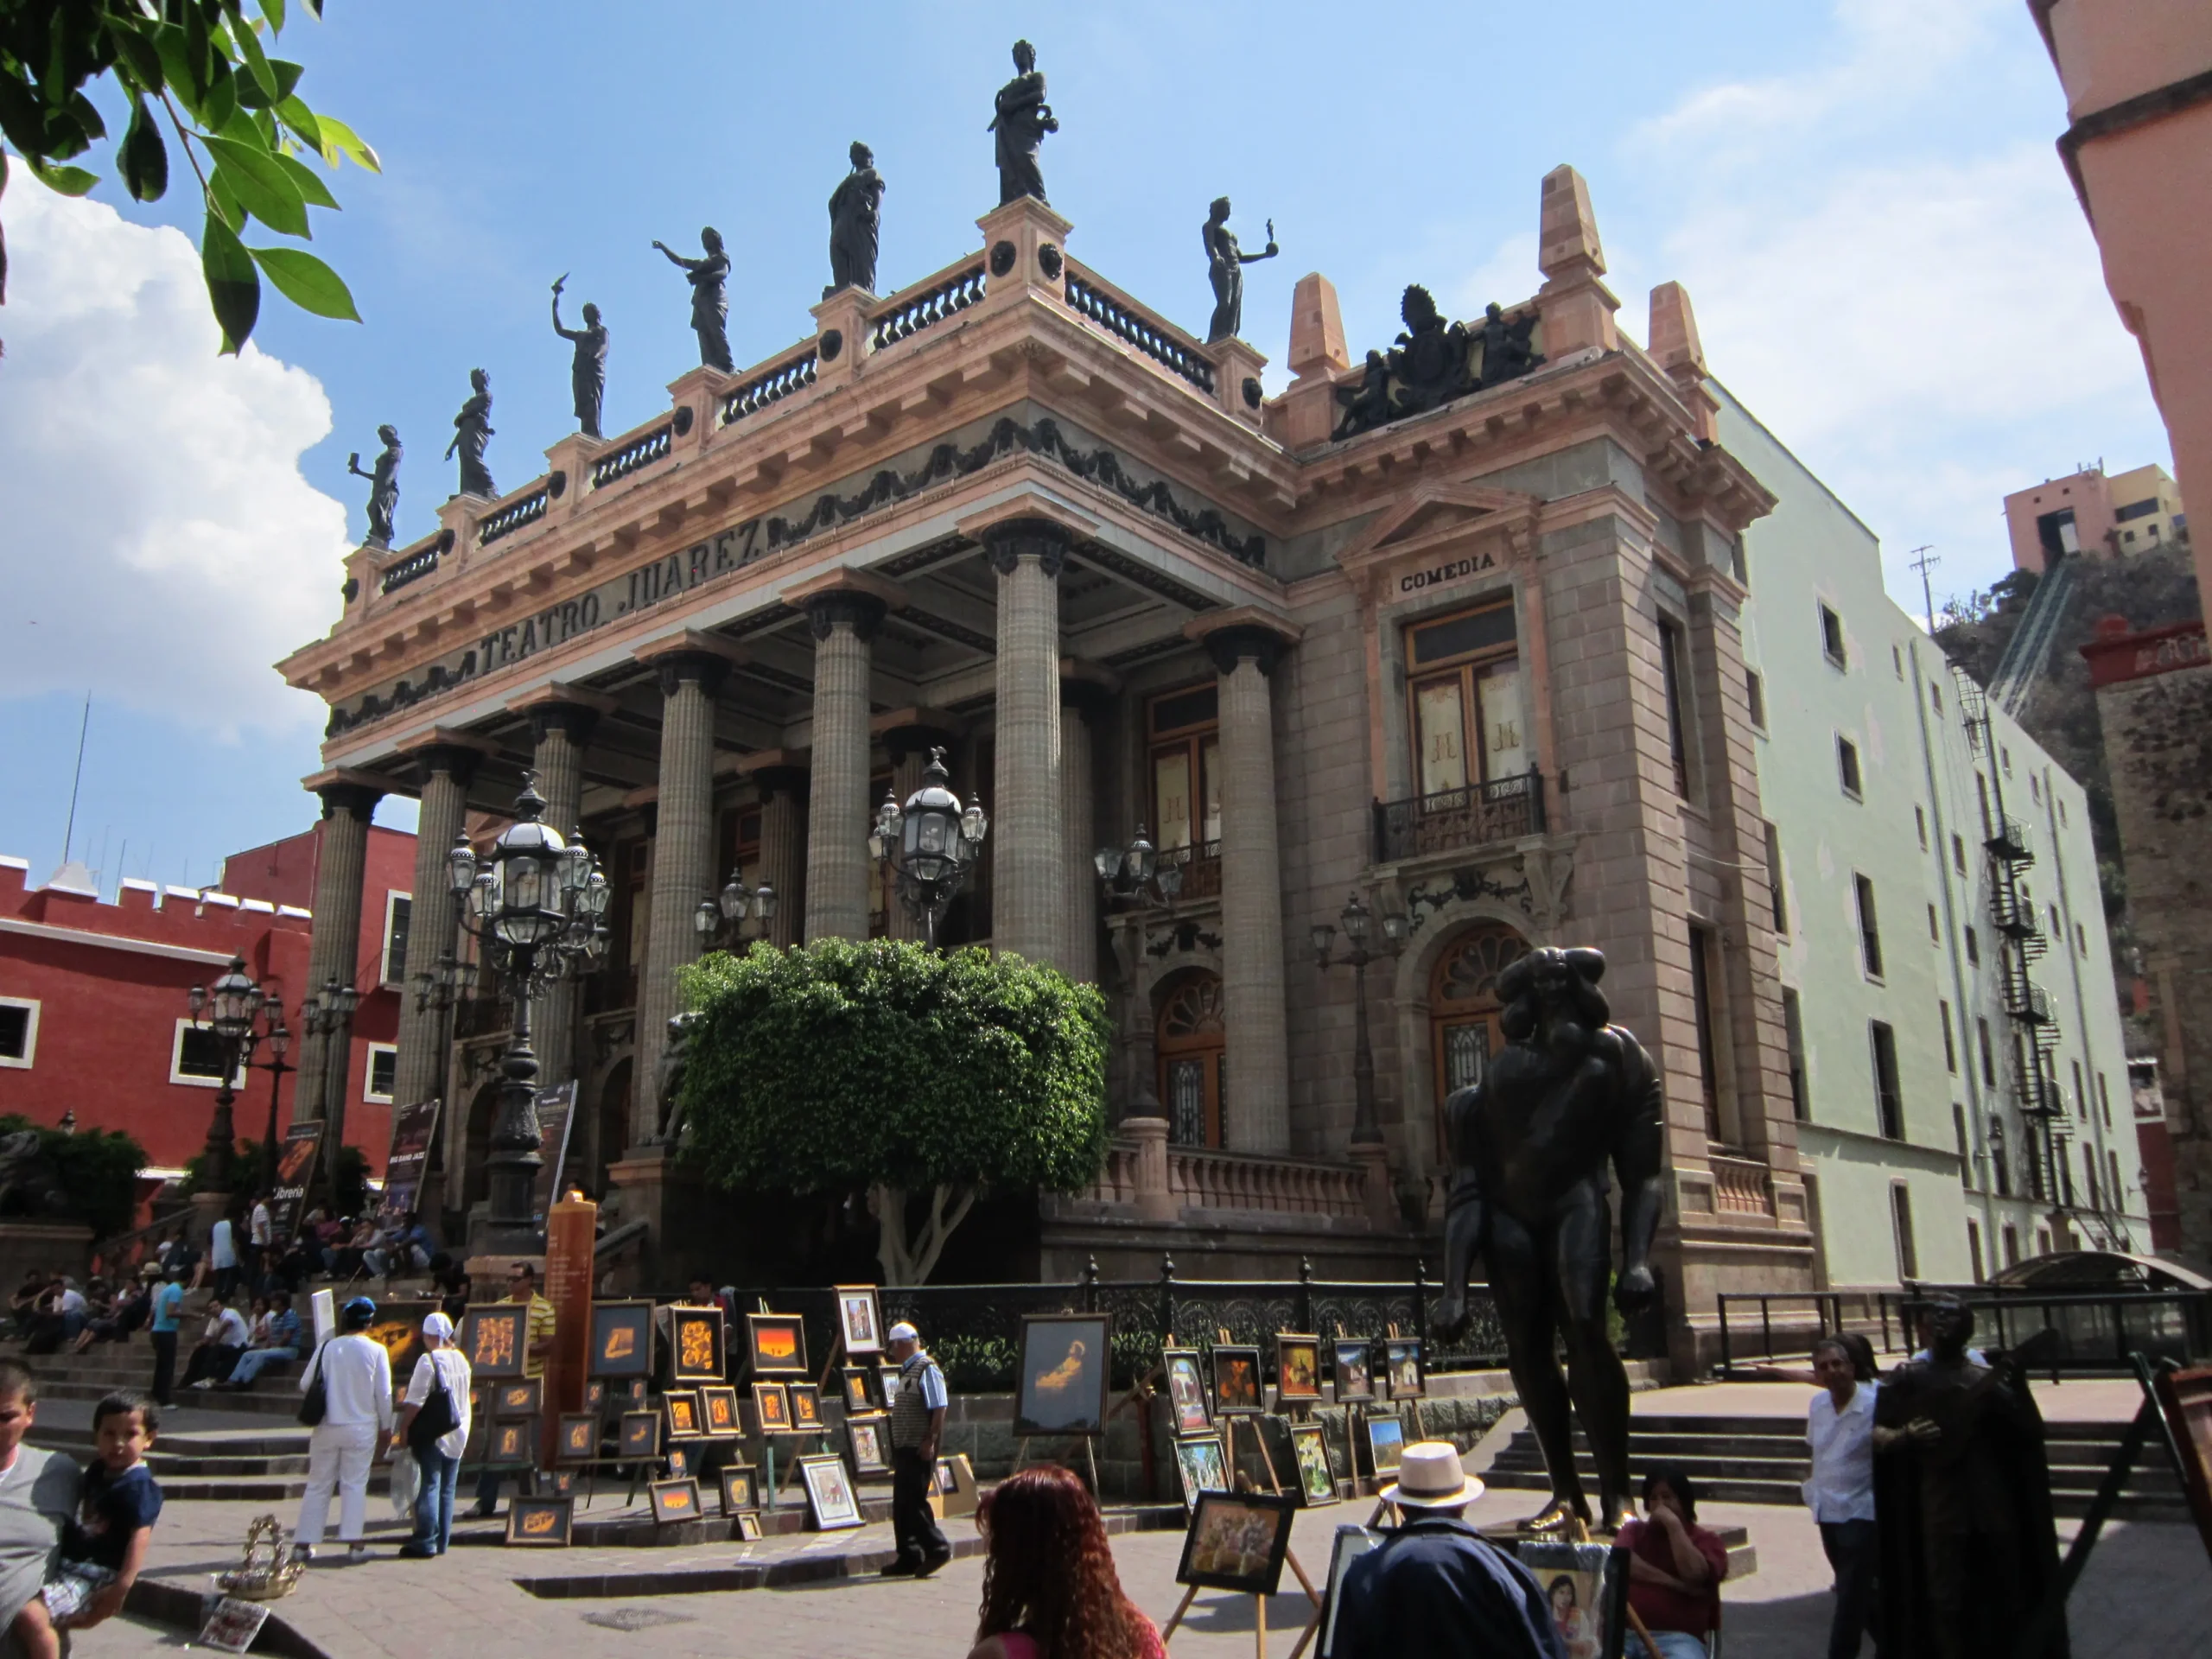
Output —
(841, 1065)
(200, 71)
(98, 1169)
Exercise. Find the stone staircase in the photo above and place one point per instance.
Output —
(1764, 1460)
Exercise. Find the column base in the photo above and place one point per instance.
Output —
(1154, 1202)
(208, 1209)
(1374, 1161)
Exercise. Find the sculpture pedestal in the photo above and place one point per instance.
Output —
(679, 1211)
(1154, 1202)
(1374, 1162)
(208, 1209)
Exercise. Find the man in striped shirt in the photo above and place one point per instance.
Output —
(522, 1286)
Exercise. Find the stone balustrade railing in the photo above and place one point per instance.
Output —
(1098, 301)
(771, 386)
(526, 508)
(1740, 1186)
(1204, 1179)
(630, 455)
(929, 302)
(416, 564)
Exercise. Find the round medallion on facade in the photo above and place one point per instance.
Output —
(445, 543)
(557, 486)
(1252, 393)
(1002, 257)
(682, 421)
(833, 342)
(352, 590)
(1048, 261)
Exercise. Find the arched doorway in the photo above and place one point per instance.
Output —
(483, 1114)
(1463, 1008)
(1189, 1035)
(613, 1139)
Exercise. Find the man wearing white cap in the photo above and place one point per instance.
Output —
(916, 1430)
(1438, 1589)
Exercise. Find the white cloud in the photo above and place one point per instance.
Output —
(159, 542)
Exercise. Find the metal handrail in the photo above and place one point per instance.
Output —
(2098, 1328)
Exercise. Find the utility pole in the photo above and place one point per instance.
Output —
(1925, 559)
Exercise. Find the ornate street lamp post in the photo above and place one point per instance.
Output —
(1135, 872)
(536, 902)
(722, 922)
(226, 1008)
(438, 990)
(1358, 922)
(931, 845)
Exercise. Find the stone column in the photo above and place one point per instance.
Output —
(909, 747)
(560, 731)
(683, 854)
(419, 1069)
(783, 847)
(1258, 1107)
(341, 860)
(1029, 861)
(838, 807)
(1081, 701)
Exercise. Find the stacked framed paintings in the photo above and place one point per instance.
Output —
(512, 1444)
(495, 1336)
(806, 1408)
(685, 1419)
(720, 1406)
(1355, 1375)
(863, 1389)
(1316, 1479)
(1199, 1462)
(830, 1492)
(679, 1463)
(740, 1490)
(517, 1399)
(540, 1522)
(871, 1445)
(1061, 1381)
(772, 1408)
(1386, 1442)
(775, 1344)
(640, 1437)
(1236, 1380)
(1298, 1368)
(860, 1319)
(1237, 1541)
(674, 1501)
(579, 1440)
(1403, 1357)
(1187, 1390)
(696, 1351)
(622, 1339)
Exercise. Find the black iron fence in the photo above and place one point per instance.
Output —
(2097, 1331)
(1505, 809)
(975, 1330)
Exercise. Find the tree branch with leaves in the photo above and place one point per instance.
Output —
(199, 70)
(923, 1079)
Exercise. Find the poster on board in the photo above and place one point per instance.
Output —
(556, 1114)
(414, 1132)
(288, 1198)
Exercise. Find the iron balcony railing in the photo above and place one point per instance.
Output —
(2011, 841)
(1504, 809)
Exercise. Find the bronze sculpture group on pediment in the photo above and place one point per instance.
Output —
(1434, 361)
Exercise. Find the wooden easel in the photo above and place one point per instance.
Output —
(1420, 1429)
(1259, 1612)
(1089, 1457)
(1229, 1433)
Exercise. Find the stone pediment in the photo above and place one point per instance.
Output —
(1439, 516)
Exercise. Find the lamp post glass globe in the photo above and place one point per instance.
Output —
(931, 843)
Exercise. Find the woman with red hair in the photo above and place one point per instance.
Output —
(1050, 1591)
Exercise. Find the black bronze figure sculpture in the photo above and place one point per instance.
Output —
(855, 219)
(1507, 354)
(472, 430)
(1969, 1546)
(1023, 119)
(588, 373)
(1225, 265)
(1529, 1146)
(709, 298)
(1434, 361)
(383, 485)
(667, 1087)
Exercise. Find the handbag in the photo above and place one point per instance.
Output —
(316, 1401)
(436, 1417)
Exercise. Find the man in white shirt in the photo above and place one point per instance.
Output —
(1840, 1494)
(259, 1227)
(220, 1344)
(223, 1255)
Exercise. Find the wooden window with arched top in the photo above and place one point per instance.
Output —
(1464, 1010)
(1190, 1035)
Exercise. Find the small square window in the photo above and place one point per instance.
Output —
(18, 1033)
(1755, 696)
(1847, 760)
(1870, 932)
(196, 1059)
(1832, 636)
(1959, 854)
(2004, 757)
(1974, 947)
(1935, 697)
(383, 1067)
(1920, 823)
(1934, 932)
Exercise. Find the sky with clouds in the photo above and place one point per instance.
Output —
(1887, 264)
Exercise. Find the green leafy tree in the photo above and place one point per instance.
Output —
(98, 1169)
(201, 69)
(923, 1077)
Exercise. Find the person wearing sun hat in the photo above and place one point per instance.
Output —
(1436, 1588)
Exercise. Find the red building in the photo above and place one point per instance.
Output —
(93, 1017)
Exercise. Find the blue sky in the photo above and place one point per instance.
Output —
(1863, 200)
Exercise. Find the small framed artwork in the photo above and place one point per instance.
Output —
(955, 1492)
(641, 1441)
(1199, 1460)
(859, 1318)
(540, 1522)
(637, 1391)
(1351, 1543)
(1586, 1591)
(830, 1492)
(1298, 1368)
(749, 1527)
(596, 1396)
(1061, 1379)
(1187, 1390)
(771, 1404)
(1317, 1481)
(674, 1501)
(860, 1389)
(517, 1399)
(513, 1445)
(1237, 1541)
(719, 1405)
(695, 1345)
(681, 1407)
(871, 1444)
(1236, 1380)
(495, 1337)
(679, 1463)
(233, 1624)
(1386, 1442)
(806, 1408)
(1355, 1377)
(887, 1385)
(1402, 1355)
(561, 1482)
(777, 1344)
(622, 1339)
(740, 1491)
(579, 1436)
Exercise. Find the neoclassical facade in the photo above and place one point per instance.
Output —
(1463, 641)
